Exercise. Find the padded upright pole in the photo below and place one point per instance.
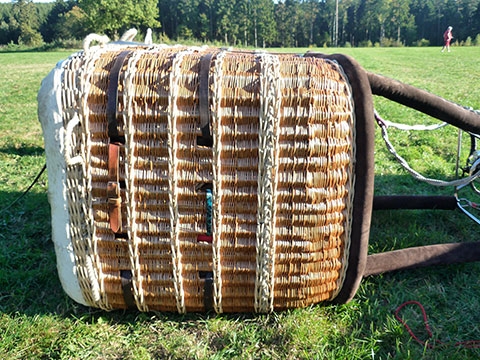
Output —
(414, 202)
(425, 102)
(422, 256)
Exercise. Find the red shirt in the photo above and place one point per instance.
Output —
(447, 35)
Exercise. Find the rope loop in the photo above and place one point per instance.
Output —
(89, 39)
(69, 134)
(456, 183)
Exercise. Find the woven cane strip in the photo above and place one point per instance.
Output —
(314, 152)
(175, 171)
(87, 241)
(148, 148)
(194, 169)
(95, 164)
(239, 125)
(131, 159)
(148, 178)
(309, 195)
(217, 184)
(110, 253)
(80, 231)
(267, 164)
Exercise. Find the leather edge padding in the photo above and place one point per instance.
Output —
(364, 173)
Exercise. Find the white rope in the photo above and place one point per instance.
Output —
(130, 147)
(270, 95)
(469, 108)
(129, 35)
(148, 37)
(93, 277)
(415, 174)
(102, 39)
(69, 159)
(87, 238)
(418, 127)
(173, 112)
(217, 89)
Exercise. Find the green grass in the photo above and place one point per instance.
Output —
(38, 321)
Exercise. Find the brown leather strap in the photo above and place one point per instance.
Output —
(204, 102)
(113, 188)
(112, 98)
(116, 141)
(127, 288)
(207, 289)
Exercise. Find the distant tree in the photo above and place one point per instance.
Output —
(72, 23)
(169, 17)
(55, 26)
(6, 35)
(349, 22)
(425, 19)
(263, 22)
(192, 19)
(241, 21)
(401, 17)
(380, 9)
(205, 20)
(476, 27)
(307, 11)
(226, 29)
(286, 18)
(461, 15)
(24, 23)
(114, 16)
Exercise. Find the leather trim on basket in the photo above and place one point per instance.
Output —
(116, 141)
(364, 170)
(112, 98)
(204, 101)
(113, 188)
(127, 288)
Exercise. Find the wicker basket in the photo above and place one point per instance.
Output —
(189, 179)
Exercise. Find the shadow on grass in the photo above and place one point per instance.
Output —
(29, 282)
(23, 150)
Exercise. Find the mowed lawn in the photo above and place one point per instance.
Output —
(38, 321)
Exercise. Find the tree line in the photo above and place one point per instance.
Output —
(257, 23)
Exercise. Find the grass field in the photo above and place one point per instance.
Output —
(38, 321)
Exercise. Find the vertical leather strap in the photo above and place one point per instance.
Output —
(116, 141)
(112, 98)
(113, 188)
(127, 288)
(207, 276)
(207, 289)
(206, 140)
(204, 103)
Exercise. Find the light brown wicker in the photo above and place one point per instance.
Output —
(281, 169)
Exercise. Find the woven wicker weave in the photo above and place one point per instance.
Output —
(281, 169)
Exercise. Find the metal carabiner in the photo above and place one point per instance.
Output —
(468, 203)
